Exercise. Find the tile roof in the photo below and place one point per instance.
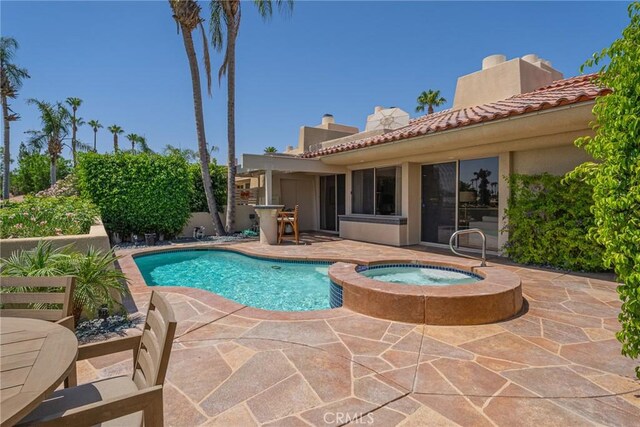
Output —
(562, 92)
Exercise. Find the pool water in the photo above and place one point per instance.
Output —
(420, 275)
(266, 284)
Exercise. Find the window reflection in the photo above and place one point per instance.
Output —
(478, 201)
(376, 191)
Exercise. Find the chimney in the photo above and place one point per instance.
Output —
(500, 79)
(328, 118)
(492, 61)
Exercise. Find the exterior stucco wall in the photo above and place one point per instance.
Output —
(199, 219)
(502, 81)
(97, 237)
(505, 167)
(386, 234)
(313, 135)
(555, 160)
(411, 201)
(298, 189)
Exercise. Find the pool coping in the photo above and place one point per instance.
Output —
(137, 283)
(497, 297)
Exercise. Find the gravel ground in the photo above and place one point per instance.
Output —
(100, 330)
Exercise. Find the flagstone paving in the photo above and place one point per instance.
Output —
(557, 363)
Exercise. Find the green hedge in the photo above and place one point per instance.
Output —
(137, 193)
(46, 216)
(549, 220)
(218, 174)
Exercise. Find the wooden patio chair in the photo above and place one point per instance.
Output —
(290, 218)
(44, 298)
(122, 400)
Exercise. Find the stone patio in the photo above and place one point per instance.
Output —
(557, 364)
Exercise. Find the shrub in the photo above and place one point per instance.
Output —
(616, 176)
(549, 220)
(137, 193)
(63, 187)
(219, 181)
(32, 173)
(46, 216)
(96, 279)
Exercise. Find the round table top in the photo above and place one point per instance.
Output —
(36, 357)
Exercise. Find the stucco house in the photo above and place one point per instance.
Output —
(406, 181)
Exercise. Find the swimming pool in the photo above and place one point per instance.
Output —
(261, 283)
(419, 275)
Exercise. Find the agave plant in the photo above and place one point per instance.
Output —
(97, 282)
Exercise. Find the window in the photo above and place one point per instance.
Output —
(376, 191)
(478, 201)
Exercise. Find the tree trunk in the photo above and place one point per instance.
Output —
(73, 138)
(231, 130)
(202, 140)
(430, 111)
(115, 143)
(95, 135)
(6, 158)
(53, 170)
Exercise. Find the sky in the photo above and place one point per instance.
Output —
(127, 62)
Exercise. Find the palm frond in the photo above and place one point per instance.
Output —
(95, 125)
(74, 102)
(81, 146)
(11, 75)
(215, 24)
(265, 7)
(96, 279)
(207, 59)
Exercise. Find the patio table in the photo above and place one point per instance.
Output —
(35, 357)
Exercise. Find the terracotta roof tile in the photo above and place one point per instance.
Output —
(562, 92)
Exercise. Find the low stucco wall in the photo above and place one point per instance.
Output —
(199, 219)
(97, 237)
(374, 230)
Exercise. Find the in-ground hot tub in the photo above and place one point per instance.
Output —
(418, 274)
(450, 295)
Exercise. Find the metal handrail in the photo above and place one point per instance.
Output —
(484, 244)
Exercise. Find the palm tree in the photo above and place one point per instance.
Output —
(74, 103)
(133, 138)
(227, 13)
(95, 125)
(270, 149)
(187, 16)
(144, 147)
(11, 77)
(56, 120)
(430, 99)
(186, 153)
(115, 130)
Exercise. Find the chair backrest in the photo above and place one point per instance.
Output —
(291, 216)
(155, 345)
(45, 298)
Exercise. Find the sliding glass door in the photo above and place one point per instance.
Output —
(478, 201)
(332, 204)
(458, 196)
(438, 202)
